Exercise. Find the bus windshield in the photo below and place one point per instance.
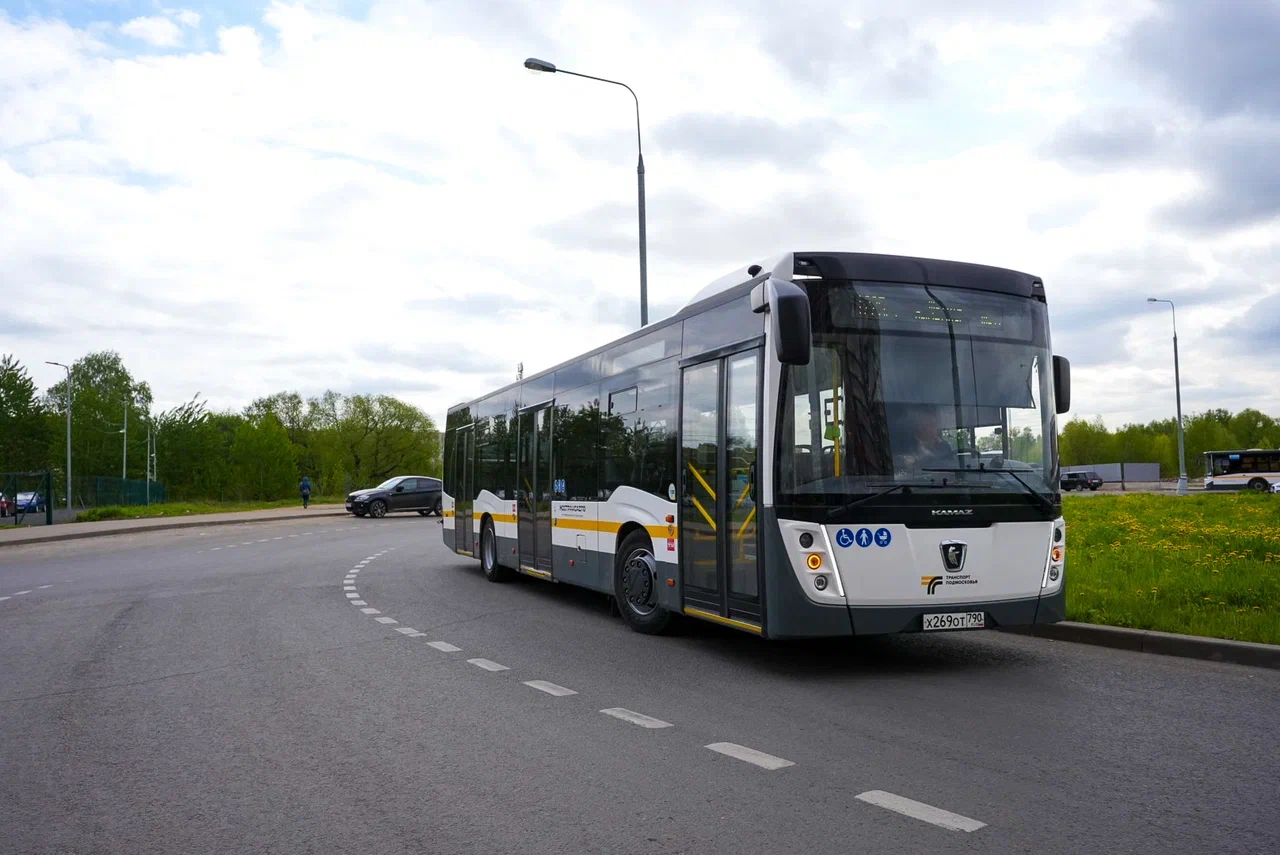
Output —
(927, 385)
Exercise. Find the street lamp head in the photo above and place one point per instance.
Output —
(534, 64)
(1152, 300)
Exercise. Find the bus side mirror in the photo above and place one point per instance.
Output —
(1062, 383)
(788, 308)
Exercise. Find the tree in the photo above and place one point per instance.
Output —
(263, 459)
(24, 424)
(101, 390)
(1085, 443)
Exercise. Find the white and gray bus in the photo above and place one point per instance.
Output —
(1248, 468)
(805, 449)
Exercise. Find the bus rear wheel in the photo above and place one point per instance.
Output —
(493, 571)
(636, 582)
(1258, 484)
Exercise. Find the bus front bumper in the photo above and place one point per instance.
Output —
(882, 620)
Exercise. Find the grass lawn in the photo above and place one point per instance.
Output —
(182, 509)
(1203, 565)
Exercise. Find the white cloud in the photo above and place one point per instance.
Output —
(317, 200)
(155, 30)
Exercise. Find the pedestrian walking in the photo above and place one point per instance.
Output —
(305, 489)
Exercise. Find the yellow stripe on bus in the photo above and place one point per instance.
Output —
(715, 618)
(608, 527)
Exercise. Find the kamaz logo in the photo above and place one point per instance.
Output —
(953, 512)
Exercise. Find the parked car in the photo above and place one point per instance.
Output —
(29, 502)
(6, 507)
(402, 493)
(1080, 481)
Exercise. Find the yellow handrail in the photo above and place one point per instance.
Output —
(702, 481)
(706, 516)
(745, 523)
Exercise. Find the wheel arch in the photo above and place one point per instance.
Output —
(623, 533)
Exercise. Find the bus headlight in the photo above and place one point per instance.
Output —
(1055, 563)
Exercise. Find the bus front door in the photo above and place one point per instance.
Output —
(719, 438)
(464, 535)
(533, 491)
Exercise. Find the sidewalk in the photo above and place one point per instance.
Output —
(19, 535)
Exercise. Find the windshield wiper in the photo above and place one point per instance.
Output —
(905, 488)
(1027, 488)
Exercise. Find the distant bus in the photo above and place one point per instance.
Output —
(1249, 468)
(824, 444)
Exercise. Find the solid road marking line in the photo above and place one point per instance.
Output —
(359, 603)
(488, 665)
(443, 646)
(636, 718)
(750, 755)
(42, 587)
(385, 619)
(921, 811)
(549, 688)
(371, 611)
(20, 593)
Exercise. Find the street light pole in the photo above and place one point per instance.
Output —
(68, 367)
(124, 463)
(1177, 385)
(541, 65)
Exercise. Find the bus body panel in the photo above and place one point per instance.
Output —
(893, 565)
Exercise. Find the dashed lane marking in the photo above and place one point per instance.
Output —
(348, 587)
(371, 611)
(488, 665)
(5, 598)
(443, 646)
(42, 587)
(750, 755)
(353, 596)
(636, 718)
(407, 630)
(921, 811)
(215, 549)
(20, 593)
(385, 619)
(549, 688)
(359, 603)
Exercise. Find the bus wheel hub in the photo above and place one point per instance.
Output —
(638, 582)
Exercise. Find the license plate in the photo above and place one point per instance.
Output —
(956, 620)
(348, 506)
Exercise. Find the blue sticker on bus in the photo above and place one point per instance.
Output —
(864, 537)
(844, 537)
(883, 537)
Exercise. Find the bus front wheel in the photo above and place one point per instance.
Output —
(636, 581)
(493, 571)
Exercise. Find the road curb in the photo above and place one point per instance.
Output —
(162, 526)
(1160, 643)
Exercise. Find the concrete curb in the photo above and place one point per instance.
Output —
(1162, 643)
(160, 524)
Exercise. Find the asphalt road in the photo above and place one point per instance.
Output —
(218, 691)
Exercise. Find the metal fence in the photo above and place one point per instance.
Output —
(37, 483)
(94, 491)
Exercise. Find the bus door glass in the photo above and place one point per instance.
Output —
(464, 536)
(533, 489)
(719, 523)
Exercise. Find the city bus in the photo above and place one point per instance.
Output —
(803, 450)
(1249, 468)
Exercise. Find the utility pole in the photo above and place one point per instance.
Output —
(124, 463)
(148, 466)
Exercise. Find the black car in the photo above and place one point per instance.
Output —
(1080, 481)
(402, 493)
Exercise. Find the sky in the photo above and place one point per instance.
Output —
(242, 198)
